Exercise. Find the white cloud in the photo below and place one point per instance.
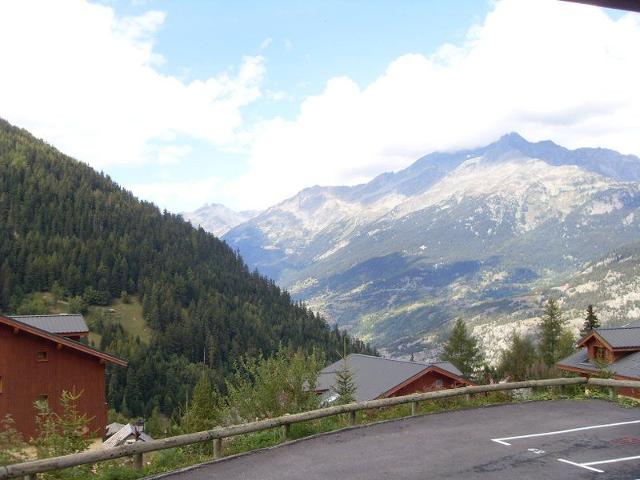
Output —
(88, 82)
(265, 43)
(177, 196)
(544, 68)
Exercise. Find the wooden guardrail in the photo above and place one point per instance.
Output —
(29, 470)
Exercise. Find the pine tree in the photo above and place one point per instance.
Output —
(551, 330)
(344, 386)
(517, 361)
(590, 322)
(462, 349)
(203, 411)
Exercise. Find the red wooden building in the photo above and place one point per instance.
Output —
(377, 377)
(617, 349)
(38, 364)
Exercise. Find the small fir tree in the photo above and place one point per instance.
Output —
(462, 349)
(203, 411)
(12, 447)
(64, 433)
(344, 386)
(591, 321)
(551, 331)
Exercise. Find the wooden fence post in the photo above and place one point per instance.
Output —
(414, 408)
(286, 431)
(137, 461)
(217, 448)
(467, 397)
(352, 418)
(613, 393)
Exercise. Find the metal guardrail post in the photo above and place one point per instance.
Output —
(286, 431)
(613, 393)
(414, 408)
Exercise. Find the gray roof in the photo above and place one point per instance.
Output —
(627, 366)
(374, 376)
(620, 337)
(61, 323)
(127, 432)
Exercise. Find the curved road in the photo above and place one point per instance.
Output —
(555, 439)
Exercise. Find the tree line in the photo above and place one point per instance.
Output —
(526, 356)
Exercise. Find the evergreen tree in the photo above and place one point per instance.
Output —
(590, 322)
(551, 330)
(516, 362)
(462, 349)
(344, 386)
(203, 411)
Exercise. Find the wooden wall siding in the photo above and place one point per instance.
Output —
(25, 379)
(426, 383)
(594, 344)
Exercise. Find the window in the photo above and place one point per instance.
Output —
(1, 389)
(439, 383)
(601, 354)
(43, 399)
(42, 356)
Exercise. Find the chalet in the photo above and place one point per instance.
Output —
(377, 377)
(40, 357)
(618, 348)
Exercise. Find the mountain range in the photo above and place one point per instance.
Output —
(217, 218)
(469, 233)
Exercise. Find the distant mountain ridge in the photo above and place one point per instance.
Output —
(217, 218)
(396, 258)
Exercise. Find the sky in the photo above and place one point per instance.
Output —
(246, 103)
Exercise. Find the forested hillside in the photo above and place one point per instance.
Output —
(63, 226)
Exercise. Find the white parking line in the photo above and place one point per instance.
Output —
(581, 465)
(503, 440)
(589, 465)
(613, 460)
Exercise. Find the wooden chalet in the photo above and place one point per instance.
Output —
(377, 377)
(616, 348)
(40, 358)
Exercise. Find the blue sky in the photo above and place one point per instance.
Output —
(304, 43)
(245, 103)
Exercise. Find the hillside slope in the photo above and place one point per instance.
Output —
(62, 224)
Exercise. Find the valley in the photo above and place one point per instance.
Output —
(486, 234)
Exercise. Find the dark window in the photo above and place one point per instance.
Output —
(1, 389)
(42, 356)
(43, 399)
(601, 353)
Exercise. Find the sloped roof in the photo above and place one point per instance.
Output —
(61, 340)
(627, 366)
(620, 337)
(374, 376)
(123, 434)
(113, 428)
(61, 323)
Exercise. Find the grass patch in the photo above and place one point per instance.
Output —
(129, 315)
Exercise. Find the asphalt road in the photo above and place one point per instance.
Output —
(558, 440)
